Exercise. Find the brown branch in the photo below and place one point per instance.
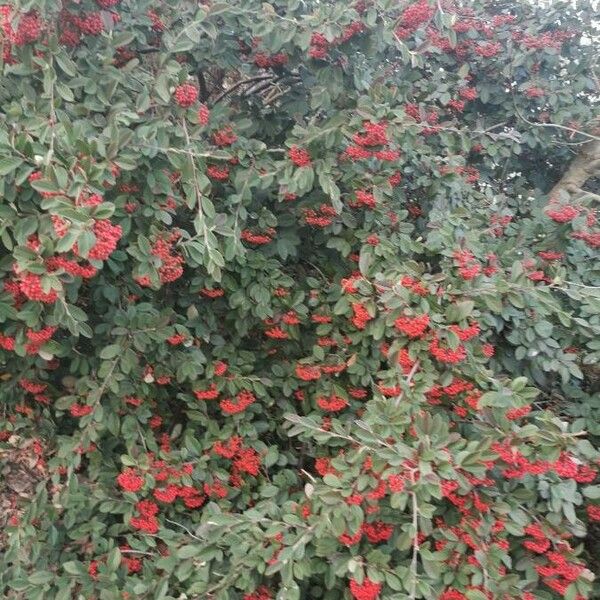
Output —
(238, 84)
(584, 166)
(204, 93)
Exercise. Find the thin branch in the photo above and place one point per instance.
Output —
(201, 215)
(261, 86)
(239, 83)
(188, 152)
(204, 93)
(407, 381)
(186, 530)
(276, 96)
(147, 50)
(554, 125)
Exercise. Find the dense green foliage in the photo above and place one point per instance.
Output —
(292, 306)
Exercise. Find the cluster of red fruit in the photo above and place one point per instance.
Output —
(319, 45)
(171, 267)
(239, 404)
(244, 460)
(413, 17)
(262, 593)
(212, 292)
(7, 342)
(38, 338)
(446, 354)
(186, 95)
(565, 213)
(363, 199)
(107, 237)
(562, 214)
(517, 465)
(276, 333)
(224, 137)
(468, 266)
(307, 372)
(367, 590)
(30, 285)
(413, 327)
(73, 26)
(218, 173)
(299, 156)
(28, 31)
(373, 135)
(258, 239)
(321, 217)
(559, 572)
(360, 315)
(132, 480)
(267, 61)
(332, 403)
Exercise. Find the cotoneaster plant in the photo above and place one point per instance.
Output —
(299, 300)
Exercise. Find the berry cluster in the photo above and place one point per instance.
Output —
(258, 239)
(446, 354)
(38, 338)
(414, 16)
(468, 266)
(299, 156)
(308, 372)
(224, 137)
(171, 267)
(413, 327)
(203, 115)
(30, 285)
(322, 217)
(218, 173)
(267, 61)
(363, 199)
(563, 214)
(212, 292)
(360, 315)
(241, 402)
(186, 95)
(332, 403)
(367, 590)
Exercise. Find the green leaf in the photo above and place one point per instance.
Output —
(460, 310)
(497, 399)
(66, 64)
(189, 551)
(113, 560)
(64, 92)
(111, 351)
(162, 87)
(9, 164)
(592, 492)
(74, 568)
(543, 328)
(41, 577)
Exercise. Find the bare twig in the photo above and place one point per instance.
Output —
(241, 82)
(407, 381)
(186, 530)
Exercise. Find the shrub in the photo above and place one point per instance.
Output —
(299, 299)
